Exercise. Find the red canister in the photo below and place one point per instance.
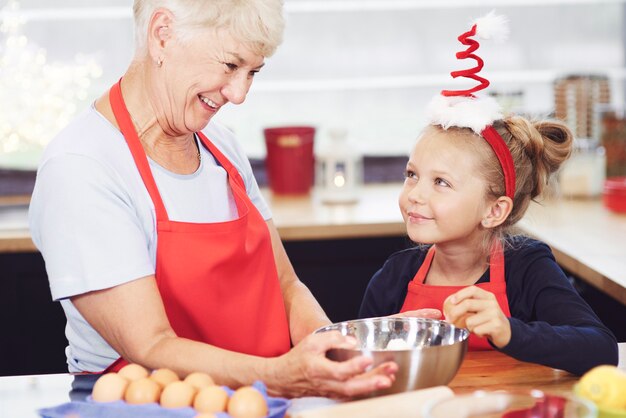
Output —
(614, 194)
(290, 162)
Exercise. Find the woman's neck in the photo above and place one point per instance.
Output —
(175, 152)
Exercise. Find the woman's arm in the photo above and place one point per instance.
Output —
(132, 319)
(304, 313)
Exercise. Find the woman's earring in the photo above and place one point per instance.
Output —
(159, 62)
(485, 223)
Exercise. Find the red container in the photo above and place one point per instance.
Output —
(290, 163)
(614, 194)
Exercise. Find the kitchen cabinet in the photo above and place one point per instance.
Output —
(32, 325)
(338, 271)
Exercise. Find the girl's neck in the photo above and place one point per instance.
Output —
(455, 265)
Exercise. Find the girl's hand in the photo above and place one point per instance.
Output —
(419, 313)
(306, 371)
(481, 312)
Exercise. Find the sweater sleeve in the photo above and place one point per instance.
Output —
(550, 322)
(387, 289)
(373, 304)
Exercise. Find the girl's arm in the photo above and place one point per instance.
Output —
(551, 324)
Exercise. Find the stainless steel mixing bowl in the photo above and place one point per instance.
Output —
(432, 354)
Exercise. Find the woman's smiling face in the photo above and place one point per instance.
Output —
(198, 77)
(443, 198)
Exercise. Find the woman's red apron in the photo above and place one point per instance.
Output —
(420, 295)
(218, 281)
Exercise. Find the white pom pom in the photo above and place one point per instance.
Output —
(492, 26)
(463, 111)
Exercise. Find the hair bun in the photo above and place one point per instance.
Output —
(557, 143)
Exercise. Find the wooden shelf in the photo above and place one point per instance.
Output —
(422, 80)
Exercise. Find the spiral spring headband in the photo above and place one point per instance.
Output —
(461, 108)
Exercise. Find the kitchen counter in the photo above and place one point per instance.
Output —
(21, 396)
(587, 239)
(297, 218)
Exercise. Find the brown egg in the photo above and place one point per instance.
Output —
(211, 399)
(109, 387)
(460, 322)
(199, 380)
(205, 415)
(142, 391)
(164, 377)
(133, 372)
(177, 395)
(247, 402)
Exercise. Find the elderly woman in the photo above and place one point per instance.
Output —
(156, 239)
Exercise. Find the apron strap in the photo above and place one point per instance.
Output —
(221, 158)
(234, 178)
(420, 276)
(134, 144)
(496, 264)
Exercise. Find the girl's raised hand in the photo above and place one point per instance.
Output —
(481, 314)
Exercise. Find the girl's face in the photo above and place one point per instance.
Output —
(443, 198)
(198, 77)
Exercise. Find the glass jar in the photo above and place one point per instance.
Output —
(584, 173)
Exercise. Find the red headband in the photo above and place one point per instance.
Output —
(504, 156)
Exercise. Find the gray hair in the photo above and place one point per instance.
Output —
(257, 23)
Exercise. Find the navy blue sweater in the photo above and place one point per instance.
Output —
(550, 323)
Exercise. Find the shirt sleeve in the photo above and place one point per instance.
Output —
(551, 324)
(85, 226)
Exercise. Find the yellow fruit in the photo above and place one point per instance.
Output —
(605, 386)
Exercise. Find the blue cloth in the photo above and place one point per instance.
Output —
(550, 323)
(120, 409)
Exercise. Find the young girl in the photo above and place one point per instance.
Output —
(469, 179)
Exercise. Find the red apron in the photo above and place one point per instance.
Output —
(420, 295)
(218, 281)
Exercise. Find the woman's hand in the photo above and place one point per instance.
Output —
(483, 314)
(305, 370)
(419, 313)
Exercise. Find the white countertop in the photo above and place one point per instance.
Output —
(14, 217)
(22, 396)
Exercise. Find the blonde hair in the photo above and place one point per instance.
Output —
(257, 23)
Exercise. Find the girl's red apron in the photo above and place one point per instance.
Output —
(218, 281)
(420, 295)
